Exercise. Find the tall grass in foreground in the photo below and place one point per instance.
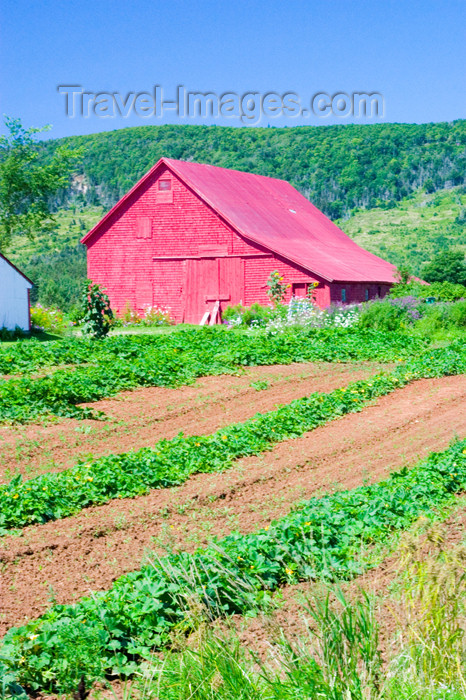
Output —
(339, 657)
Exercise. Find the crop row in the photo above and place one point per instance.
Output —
(179, 358)
(170, 462)
(31, 355)
(110, 631)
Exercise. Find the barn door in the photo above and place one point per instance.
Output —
(231, 281)
(209, 280)
(201, 288)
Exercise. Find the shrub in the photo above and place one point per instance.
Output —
(252, 316)
(383, 315)
(48, 319)
(457, 314)
(98, 316)
(440, 291)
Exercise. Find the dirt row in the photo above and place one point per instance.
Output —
(66, 559)
(141, 417)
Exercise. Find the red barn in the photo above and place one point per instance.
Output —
(196, 238)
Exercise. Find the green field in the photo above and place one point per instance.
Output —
(332, 537)
(415, 230)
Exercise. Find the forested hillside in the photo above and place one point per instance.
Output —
(336, 167)
(397, 189)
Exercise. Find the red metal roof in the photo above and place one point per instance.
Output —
(273, 214)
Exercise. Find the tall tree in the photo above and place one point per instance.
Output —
(448, 266)
(28, 183)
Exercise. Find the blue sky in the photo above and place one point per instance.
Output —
(413, 53)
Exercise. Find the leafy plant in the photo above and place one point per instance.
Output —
(98, 316)
(276, 288)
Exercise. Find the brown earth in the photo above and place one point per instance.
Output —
(140, 417)
(68, 558)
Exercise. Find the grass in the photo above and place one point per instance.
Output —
(417, 229)
(71, 225)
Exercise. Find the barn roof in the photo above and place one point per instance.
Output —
(273, 214)
(17, 270)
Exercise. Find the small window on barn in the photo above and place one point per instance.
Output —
(343, 295)
(164, 192)
(143, 227)
(366, 295)
(379, 291)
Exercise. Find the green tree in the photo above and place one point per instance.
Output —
(448, 266)
(403, 275)
(27, 184)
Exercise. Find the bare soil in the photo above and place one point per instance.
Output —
(65, 560)
(140, 417)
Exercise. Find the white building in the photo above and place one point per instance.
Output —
(14, 297)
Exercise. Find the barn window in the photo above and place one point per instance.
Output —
(366, 295)
(299, 289)
(379, 291)
(343, 295)
(164, 192)
(143, 227)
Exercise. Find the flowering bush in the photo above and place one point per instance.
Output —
(410, 306)
(255, 316)
(48, 319)
(156, 316)
(150, 316)
(98, 315)
(300, 311)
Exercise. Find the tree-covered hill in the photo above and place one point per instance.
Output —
(397, 189)
(337, 167)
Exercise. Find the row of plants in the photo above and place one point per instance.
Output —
(30, 356)
(342, 652)
(176, 359)
(322, 538)
(170, 462)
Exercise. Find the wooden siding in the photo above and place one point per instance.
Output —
(14, 297)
